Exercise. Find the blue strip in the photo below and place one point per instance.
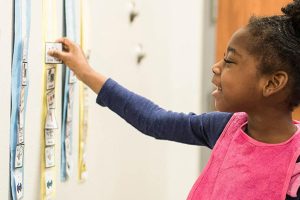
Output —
(70, 32)
(16, 84)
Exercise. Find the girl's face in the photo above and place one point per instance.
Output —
(237, 80)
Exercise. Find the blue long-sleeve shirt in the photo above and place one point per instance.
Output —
(154, 121)
(157, 122)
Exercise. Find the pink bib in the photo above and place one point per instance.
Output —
(242, 168)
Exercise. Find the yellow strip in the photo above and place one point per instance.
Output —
(81, 164)
(80, 146)
(49, 33)
(82, 170)
(44, 111)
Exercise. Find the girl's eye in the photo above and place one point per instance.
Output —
(227, 61)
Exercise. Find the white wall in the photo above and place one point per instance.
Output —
(122, 163)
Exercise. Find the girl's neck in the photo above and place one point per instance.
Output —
(271, 127)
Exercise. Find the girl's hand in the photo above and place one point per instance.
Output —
(73, 57)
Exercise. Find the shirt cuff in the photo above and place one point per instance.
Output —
(103, 95)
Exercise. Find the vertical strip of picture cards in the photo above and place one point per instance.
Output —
(83, 99)
(68, 84)
(19, 93)
(48, 116)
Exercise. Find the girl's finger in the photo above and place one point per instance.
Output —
(58, 54)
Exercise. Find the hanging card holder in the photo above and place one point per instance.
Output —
(83, 99)
(49, 124)
(19, 90)
(69, 82)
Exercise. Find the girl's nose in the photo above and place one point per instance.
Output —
(216, 69)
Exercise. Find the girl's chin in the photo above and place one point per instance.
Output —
(221, 108)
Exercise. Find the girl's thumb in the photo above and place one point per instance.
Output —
(57, 54)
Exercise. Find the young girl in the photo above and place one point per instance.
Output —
(255, 142)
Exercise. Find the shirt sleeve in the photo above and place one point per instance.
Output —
(159, 123)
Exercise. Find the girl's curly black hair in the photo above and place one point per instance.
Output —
(276, 42)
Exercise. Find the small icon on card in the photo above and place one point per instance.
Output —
(50, 156)
(18, 175)
(19, 156)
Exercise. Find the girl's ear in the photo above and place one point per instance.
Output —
(275, 83)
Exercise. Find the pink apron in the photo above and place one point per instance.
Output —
(243, 168)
